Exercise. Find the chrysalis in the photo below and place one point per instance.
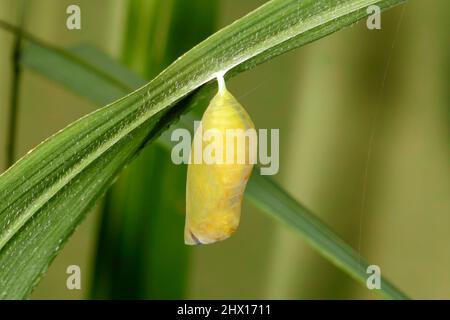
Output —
(214, 190)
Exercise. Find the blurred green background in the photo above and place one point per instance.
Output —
(385, 90)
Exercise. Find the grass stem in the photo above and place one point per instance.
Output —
(15, 90)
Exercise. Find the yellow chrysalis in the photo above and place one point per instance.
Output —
(214, 190)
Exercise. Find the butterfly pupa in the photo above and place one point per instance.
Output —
(214, 191)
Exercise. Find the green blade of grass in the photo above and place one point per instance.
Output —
(272, 199)
(45, 195)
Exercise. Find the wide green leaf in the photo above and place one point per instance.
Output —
(45, 195)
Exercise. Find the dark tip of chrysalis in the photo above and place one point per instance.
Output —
(196, 240)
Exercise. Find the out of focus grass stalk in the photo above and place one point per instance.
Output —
(141, 253)
(15, 87)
